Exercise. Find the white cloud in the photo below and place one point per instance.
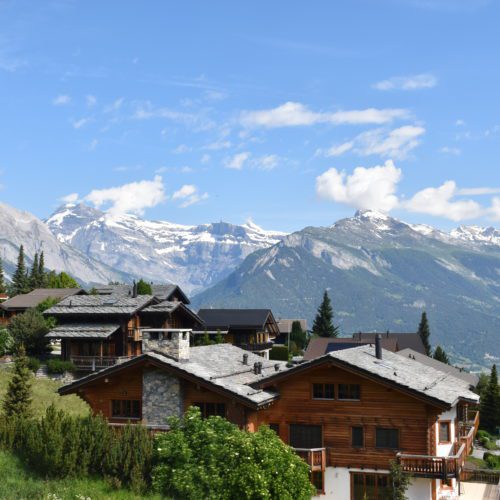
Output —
(366, 188)
(293, 114)
(181, 148)
(205, 158)
(70, 198)
(93, 144)
(460, 123)
(415, 82)
(478, 191)
(237, 161)
(441, 202)
(450, 151)
(267, 162)
(494, 210)
(80, 123)
(339, 150)
(114, 106)
(91, 100)
(61, 100)
(129, 198)
(190, 194)
(396, 143)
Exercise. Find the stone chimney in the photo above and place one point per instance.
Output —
(171, 343)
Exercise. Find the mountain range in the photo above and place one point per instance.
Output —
(194, 257)
(380, 272)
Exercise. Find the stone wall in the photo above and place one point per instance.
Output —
(173, 344)
(161, 396)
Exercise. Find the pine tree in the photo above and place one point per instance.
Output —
(20, 279)
(144, 288)
(3, 288)
(298, 335)
(17, 402)
(323, 323)
(42, 275)
(440, 355)
(490, 403)
(425, 333)
(34, 279)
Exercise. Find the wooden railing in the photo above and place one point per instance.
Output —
(314, 457)
(433, 467)
(134, 334)
(257, 346)
(95, 363)
(486, 476)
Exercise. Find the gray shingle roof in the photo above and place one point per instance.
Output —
(405, 340)
(319, 346)
(407, 373)
(219, 365)
(100, 304)
(163, 292)
(164, 306)
(234, 318)
(470, 378)
(88, 331)
(32, 299)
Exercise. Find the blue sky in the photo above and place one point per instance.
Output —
(289, 113)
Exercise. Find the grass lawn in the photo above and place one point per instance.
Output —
(44, 393)
(18, 484)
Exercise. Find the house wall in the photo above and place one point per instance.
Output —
(337, 484)
(443, 450)
(380, 406)
(126, 384)
(161, 396)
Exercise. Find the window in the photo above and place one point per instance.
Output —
(387, 438)
(154, 335)
(125, 408)
(349, 391)
(372, 486)
(357, 437)
(444, 432)
(306, 436)
(211, 409)
(275, 428)
(323, 391)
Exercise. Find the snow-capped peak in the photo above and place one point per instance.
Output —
(477, 234)
(371, 214)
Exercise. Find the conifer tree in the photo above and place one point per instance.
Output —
(490, 403)
(20, 279)
(3, 288)
(34, 279)
(440, 355)
(298, 335)
(17, 402)
(425, 333)
(323, 323)
(42, 275)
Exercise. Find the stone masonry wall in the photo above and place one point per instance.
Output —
(161, 396)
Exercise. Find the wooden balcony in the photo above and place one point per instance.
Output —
(96, 363)
(134, 334)
(257, 346)
(314, 457)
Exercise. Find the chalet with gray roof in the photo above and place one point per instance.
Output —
(348, 413)
(250, 329)
(97, 331)
(21, 303)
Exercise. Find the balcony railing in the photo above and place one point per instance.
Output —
(95, 363)
(314, 457)
(258, 346)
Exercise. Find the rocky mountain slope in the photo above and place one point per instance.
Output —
(195, 257)
(381, 273)
(22, 228)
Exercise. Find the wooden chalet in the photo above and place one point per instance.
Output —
(250, 329)
(347, 413)
(97, 331)
(19, 304)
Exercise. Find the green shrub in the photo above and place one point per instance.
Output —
(33, 364)
(492, 461)
(59, 445)
(279, 353)
(58, 366)
(213, 458)
(6, 342)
